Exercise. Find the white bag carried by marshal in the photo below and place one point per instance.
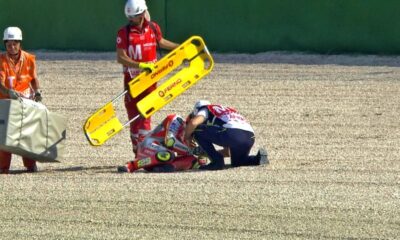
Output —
(28, 129)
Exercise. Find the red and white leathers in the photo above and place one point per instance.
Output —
(140, 44)
(230, 117)
(165, 146)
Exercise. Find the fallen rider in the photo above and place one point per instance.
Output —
(163, 150)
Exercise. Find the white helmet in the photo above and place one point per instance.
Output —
(135, 7)
(12, 33)
(199, 104)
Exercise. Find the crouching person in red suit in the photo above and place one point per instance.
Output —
(163, 150)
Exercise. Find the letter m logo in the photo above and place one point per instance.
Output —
(135, 52)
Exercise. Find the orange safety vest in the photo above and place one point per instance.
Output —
(17, 76)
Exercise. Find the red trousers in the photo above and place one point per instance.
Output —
(141, 126)
(5, 162)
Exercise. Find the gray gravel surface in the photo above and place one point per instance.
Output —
(330, 124)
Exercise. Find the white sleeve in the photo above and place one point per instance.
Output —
(203, 112)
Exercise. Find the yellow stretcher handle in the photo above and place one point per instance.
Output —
(102, 125)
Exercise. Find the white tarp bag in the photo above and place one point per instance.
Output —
(28, 129)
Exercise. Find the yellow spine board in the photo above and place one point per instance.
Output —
(176, 85)
(187, 50)
(102, 125)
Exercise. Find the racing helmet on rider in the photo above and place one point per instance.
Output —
(175, 128)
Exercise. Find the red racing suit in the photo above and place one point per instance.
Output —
(165, 146)
(140, 44)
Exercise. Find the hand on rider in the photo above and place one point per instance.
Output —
(198, 151)
(189, 141)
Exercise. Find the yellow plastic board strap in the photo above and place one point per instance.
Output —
(102, 125)
(186, 51)
(198, 67)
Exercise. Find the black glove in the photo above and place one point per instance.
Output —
(198, 151)
(38, 96)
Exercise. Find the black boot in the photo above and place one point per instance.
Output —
(262, 157)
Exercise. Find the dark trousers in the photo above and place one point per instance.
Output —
(239, 142)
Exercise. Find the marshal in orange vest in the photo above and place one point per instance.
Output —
(18, 76)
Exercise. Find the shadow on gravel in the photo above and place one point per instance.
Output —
(96, 169)
(105, 169)
(16, 172)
